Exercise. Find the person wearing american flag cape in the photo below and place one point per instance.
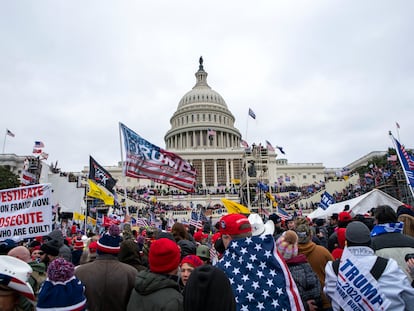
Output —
(258, 275)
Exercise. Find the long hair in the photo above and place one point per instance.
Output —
(179, 232)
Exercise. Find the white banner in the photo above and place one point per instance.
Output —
(25, 212)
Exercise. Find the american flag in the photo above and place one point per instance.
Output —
(244, 144)
(282, 213)
(252, 114)
(10, 133)
(38, 144)
(195, 220)
(142, 222)
(258, 275)
(407, 162)
(145, 160)
(269, 146)
(211, 132)
(265, 212)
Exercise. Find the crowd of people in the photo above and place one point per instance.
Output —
(351, 262)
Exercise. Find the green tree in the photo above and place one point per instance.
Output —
(7, 178)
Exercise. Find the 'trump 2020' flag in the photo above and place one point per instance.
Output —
(100, 175)
(145, 160)
(407, 162)
(326, 200)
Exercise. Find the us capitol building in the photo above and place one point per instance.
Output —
(203, 132)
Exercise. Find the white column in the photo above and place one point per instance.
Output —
(227, 173)
(194, 139)
(215, 173)
(231, 169)
(203, 173)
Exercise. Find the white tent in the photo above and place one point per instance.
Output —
(358, 205)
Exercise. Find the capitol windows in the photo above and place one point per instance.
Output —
(192, 118)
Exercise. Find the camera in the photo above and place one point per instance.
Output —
(409, 256)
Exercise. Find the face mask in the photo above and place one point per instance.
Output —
(219, 246)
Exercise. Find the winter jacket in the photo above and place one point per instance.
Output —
(129, 254)
(108, 283)
(394, 245)
(393, 283)
(317, 257)
(153, 292)
(306, 280)
(64, 250)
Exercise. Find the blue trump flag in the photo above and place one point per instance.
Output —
(407, 162)
(326, 200)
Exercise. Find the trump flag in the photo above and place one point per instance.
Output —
(145, 160)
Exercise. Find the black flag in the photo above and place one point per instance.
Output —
(100, 175)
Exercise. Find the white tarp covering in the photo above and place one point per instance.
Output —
(358, 205)
(66, 194)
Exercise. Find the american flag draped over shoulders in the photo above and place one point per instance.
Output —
(258, 275)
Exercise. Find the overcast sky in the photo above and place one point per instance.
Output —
(326, 79)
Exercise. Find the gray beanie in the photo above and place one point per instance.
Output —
(357, 233)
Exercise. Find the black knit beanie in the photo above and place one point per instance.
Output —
(51, 247)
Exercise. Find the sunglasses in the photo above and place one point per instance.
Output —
(41, 253)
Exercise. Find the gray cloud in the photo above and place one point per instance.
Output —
(326, 79)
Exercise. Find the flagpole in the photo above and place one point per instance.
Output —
(123, 170)
(4, 142)
(402, 164)
(397, 126)
(246, 164)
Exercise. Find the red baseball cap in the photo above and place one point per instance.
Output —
(199, 235)
(344, 217)
(234, 224)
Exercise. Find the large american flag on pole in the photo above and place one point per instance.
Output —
(145, 160)
(259, 276)
(407, 162)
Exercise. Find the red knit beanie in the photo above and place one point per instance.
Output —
(164, 256)
(192, 260)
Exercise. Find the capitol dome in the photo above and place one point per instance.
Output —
(202, 119)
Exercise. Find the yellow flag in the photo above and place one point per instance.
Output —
(78, 216)
(234, 207)
(270, 196)
(95, 191)
(91, 221)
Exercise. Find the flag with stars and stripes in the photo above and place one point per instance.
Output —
(259, 276)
